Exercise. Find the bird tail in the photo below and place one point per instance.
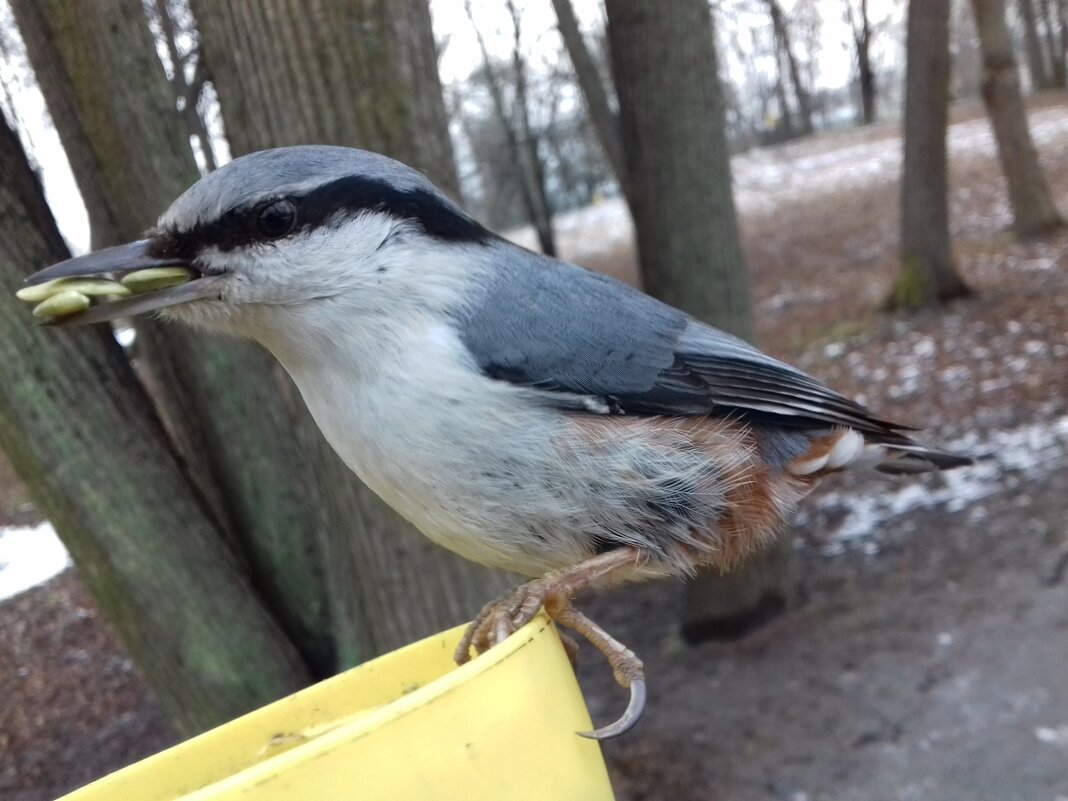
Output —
(908, 457)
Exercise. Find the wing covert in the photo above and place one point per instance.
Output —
(570, 332)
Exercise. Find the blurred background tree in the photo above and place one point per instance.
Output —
(928, 272)
(248, 561)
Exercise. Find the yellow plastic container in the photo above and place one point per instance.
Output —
(408, 726)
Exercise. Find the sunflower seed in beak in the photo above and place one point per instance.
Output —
(155, 278)
(61, 304)
(86, 286)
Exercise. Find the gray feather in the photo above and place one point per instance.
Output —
(559, 328)
(286, 170)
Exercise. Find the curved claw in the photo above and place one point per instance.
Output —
(631, 715)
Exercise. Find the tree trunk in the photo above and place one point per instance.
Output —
(1037, 64)
(862, 34)
(79, 430)
(679, 170)
(787, 128)
(1033, 211)
(374, 77)
(786, 51)
(594, 93)
(677, 157)
(928, 275)
(361, 74)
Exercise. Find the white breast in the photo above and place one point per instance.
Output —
(454, 452)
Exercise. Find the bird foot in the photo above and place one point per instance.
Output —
(627, 669)
(500, 618)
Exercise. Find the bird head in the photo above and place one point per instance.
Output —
(285, 234)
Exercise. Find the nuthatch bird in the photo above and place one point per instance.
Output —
(523, 412)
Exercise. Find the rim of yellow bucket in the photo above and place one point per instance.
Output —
(435, 688)
(345, 728)
(352, 730)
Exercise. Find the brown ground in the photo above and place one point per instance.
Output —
(925, 663)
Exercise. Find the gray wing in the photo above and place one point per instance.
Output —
(569, 332)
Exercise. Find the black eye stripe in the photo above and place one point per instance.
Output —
(345, 197)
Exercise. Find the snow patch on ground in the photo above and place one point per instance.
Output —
(1005, 459)
(29, 555)
(1053, 735)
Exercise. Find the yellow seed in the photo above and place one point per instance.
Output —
(39, 292)
(61, 304)
(93, 287)
(155, 278)
(86, 286)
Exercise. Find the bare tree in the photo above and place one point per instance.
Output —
(605, 122)
(860, 25)
(188, 76)
(1054, 16)
(1034, 213)
(516, 126)
(1037, 58)
(679, 171)
(928, 275)
(530, 150)
(787, 127)
(785, 51)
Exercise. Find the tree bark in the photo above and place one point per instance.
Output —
(1034, 213)
(928, 275)
(679, 170)
(1037, 65)
(375, 85)
(594, 92)
(677, 157)
(81, 433)
(360, 74)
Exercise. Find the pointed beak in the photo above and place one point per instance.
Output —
(119, 261)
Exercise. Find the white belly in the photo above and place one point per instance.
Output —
(455, 453)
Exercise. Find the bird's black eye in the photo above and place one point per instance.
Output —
(277, 219)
